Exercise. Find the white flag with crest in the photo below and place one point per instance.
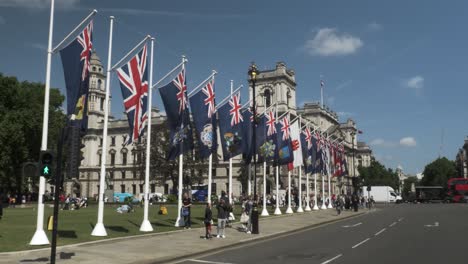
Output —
(296, 144)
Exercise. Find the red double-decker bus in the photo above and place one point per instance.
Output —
(457, 189)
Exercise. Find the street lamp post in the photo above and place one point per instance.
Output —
(253, 72)
(353, 134)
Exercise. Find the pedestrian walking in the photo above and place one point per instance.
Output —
(222, 217)
(208, 220)
(186, 204)
(248, 213)
(339, 204)
(355, 202)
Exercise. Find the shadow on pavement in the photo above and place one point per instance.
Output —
(118, 229)
(65, 255)
(67, 233)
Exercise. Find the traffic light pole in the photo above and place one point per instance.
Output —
(58, 187)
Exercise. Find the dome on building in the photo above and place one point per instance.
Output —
(95, 60)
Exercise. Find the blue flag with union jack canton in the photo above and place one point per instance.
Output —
(203, 107)
(174, 97)
(230, 127)
(308, 143)
(267, 149)
(134, 85)
(76, 63)
(284, 151)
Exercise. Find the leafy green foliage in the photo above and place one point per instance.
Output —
(407, 185)
(438, 172)
(163, 170)
(377, 175)
(21, 112)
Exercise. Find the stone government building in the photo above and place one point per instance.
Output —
(123, 166)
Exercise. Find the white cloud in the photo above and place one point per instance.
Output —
(416, 82)
(408, 142)
(33, 4)
(2, 20)
(329, 42)
(374, 26)
(381, 143)
(343, 85)
(38, 46)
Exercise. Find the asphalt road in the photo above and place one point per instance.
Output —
(407, 233)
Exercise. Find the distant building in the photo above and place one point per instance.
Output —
(125, 165)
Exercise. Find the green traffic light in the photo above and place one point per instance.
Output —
(45, 170)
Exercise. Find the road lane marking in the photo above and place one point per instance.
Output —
(206, 261)
(436, 224)
(332, 259)
(346, 226)
(381, 231)
(399, 220)
(360, 243)
(392, 224)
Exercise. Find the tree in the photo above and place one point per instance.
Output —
(407, 183)
(162, 169)
(21, 112)
(438, 172)
(377, 175)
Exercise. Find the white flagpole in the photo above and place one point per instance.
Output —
(315, 208)
(230, 161)
(289, 210)
(40, 237)
(323, 192)
(249, 183)
(330, 206)
(307, 209)
(300, 210)
(210, 175)
(180, 221)
(146, 225)
(264, 211)
(210, 161)
(321, 91)
(99, 229)
(277, 210)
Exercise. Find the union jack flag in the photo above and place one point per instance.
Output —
(271, 123)
(319, 140)
(134, 86)
(85, 40)
(285, 128)
(182, 94)
(236, 116)
(308, 137)
(210, 97)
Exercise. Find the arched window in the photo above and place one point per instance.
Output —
(288, 96)
(94, 69)
(112, 154)
(267, 95)
(99, 83)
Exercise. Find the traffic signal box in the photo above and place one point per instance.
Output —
(46, 164)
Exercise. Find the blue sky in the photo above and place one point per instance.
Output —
(398, 68)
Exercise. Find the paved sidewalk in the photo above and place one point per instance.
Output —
(169, 246)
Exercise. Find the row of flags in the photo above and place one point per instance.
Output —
(278, 140)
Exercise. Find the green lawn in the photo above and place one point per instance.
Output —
(18, 224)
